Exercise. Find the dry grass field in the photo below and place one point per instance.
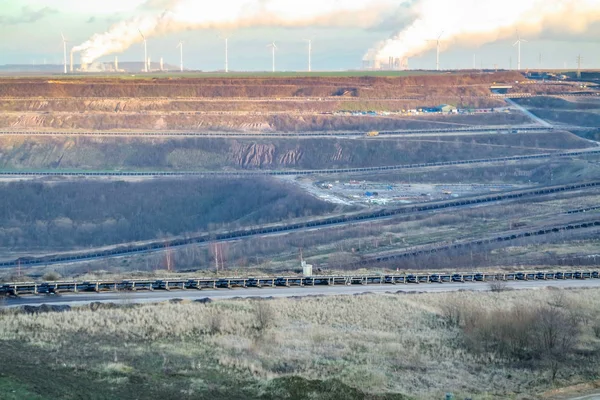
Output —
(420, 346)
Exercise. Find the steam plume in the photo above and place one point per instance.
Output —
(232, 14)
(476, 22)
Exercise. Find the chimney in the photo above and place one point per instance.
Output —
(116, 64)
(161, 64)
(149, 64)
(71, 60)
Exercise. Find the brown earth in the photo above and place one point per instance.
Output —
(157, 105)
(364, 87)
(285, 122)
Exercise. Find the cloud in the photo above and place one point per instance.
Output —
(157, 5)
(168, 16)
(27, 16)
(476, 22)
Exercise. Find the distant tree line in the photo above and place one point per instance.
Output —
(81, 214)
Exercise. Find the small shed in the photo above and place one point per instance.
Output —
(447, 109)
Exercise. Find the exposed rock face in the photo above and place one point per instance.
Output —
(253, 154)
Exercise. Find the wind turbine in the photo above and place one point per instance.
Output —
(145, 51)
(309, 54)
(225, 36)
(64, 52)
(437, 50)
(273, 48)
(518, 44)
(226, 55)
(180, 47)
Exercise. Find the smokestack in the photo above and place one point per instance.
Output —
(71, 61)
(116, 64)
(148, 65)
(161, 64)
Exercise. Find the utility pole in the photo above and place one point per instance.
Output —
(579, 59)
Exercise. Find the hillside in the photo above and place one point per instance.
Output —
(79, 214)
(112, 153)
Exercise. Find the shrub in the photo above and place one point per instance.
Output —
(263, 315)
(51, 276)
(498, 286)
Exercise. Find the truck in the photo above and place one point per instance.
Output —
(373, 134)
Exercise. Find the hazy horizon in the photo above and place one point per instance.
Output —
(342, 33)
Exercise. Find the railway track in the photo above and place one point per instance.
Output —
(583, 210)
(504, 237)
(245, 173)
(163, 245)
(41, 288)
(8, 132)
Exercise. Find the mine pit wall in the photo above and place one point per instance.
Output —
(134, 153)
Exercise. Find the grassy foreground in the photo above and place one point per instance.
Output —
(398, 346)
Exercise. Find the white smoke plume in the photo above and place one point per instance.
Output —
(476, 22)
(232, 14)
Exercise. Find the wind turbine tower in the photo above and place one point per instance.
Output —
(180, 47)
(273, 48)
(518, 44)
(64, 52)
(145, 51)
(309, 55)
(437, 50)
(226, 55)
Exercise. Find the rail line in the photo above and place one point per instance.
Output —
(334, 171)
(39, 288)
(583, 210)
(6, 132)
(425, 250)
(163, 245)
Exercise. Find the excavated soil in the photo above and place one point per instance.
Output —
(459, 84)
(247, 122)
(119, 153)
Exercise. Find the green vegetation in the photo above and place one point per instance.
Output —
(351, 347)
(12, 389)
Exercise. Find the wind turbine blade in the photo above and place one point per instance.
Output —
(517, 42)
(63, 37)
(141, 34)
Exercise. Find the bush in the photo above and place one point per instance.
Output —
(263, 315)
(51, 276)
(498, 286)
(542, 336)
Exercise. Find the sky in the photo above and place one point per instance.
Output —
(473, 32)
